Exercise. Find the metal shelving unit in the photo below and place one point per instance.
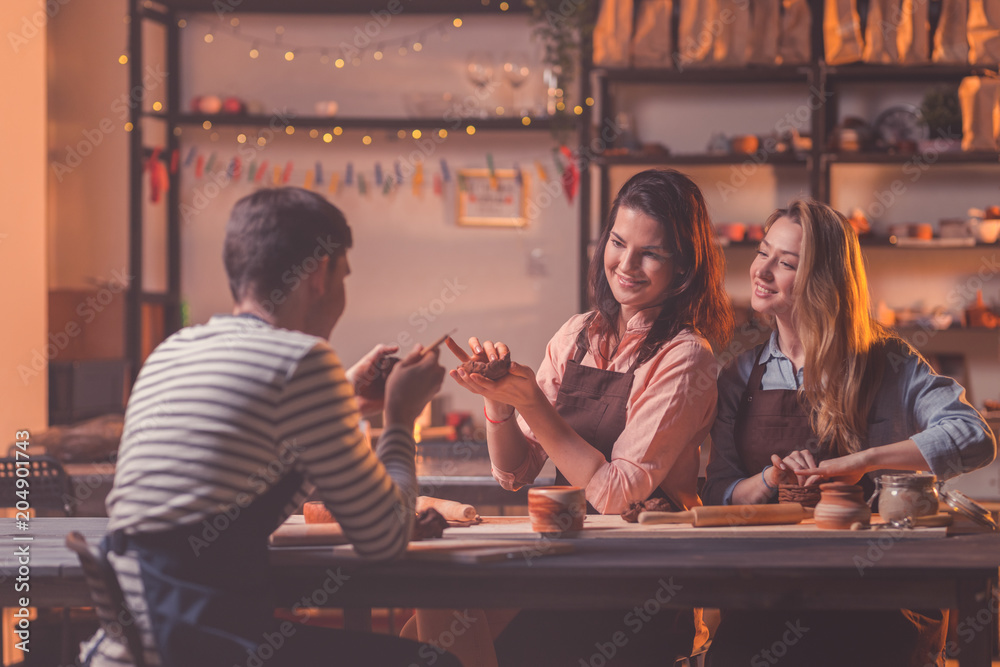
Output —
(152, 316)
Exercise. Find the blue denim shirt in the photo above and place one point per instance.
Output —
(913, 402)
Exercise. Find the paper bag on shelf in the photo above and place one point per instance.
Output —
(793, 40)
(733, 34)
(984, 32)
(766, 22)
(951, 41)
(841, 32)
(696, 32)
(652, 43)
(613, 33)
(913, 30)
(980, 100)
(881, 32)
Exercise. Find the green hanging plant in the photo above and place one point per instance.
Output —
(563, 27)
(941, 112)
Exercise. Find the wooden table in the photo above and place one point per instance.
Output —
(869, 571)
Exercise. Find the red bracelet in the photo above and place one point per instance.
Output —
(493, 421)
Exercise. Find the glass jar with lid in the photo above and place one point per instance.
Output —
(902, 496)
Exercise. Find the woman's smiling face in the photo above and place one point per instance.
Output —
(638, 267)
(772, 273)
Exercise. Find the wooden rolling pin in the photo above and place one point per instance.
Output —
(732, 515)
(449, 509)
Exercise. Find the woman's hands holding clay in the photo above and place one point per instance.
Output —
(514, 390)
(790, 470)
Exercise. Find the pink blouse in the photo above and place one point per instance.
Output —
(669, 413)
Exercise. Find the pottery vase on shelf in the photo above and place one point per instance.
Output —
(841, 506)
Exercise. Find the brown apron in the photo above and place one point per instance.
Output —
(774, 422)
(593, 401)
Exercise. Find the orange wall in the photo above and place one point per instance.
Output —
(23, 387)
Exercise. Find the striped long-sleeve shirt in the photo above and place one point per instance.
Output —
(221, 412)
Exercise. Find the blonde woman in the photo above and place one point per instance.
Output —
(831, 395)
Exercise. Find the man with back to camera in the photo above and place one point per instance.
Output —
(228, 427)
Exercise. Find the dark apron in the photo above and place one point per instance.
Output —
(205, 585)
(774, 422)
(594, 401)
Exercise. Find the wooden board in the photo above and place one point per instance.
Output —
(454, 547)
(613, 526)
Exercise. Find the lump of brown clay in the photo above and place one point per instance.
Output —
(372, 385)
(494, 370)
(650, 505)
(429, 524)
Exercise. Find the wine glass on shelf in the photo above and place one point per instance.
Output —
(479, 70)
(516, 69)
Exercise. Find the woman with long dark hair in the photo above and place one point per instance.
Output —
(622, 399)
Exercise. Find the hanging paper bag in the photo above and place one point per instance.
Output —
(980, 100)
(731, 31)
(984, 32)
(764, 33)
(652, 43)
(793, 41)
(613, 33)
(951, 42)
(695, 36)
(913, 33)
(881, 32)
(841, 32)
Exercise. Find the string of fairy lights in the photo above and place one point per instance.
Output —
(371, 47)
(339, 56)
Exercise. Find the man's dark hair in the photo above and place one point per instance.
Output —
(276, 235)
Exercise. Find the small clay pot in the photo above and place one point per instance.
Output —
(841, 506)
(557, 511)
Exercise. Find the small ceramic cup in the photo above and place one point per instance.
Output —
(557, 510)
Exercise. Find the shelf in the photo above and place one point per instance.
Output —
(885, 242)
(925, 157)
(701, 159)
(279, 120)
(901, 73)
(956, 341)
(700, 75)
(349, 6)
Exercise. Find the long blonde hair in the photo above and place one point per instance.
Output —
(844, 344)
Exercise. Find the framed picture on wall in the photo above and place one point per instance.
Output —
(499, 199)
